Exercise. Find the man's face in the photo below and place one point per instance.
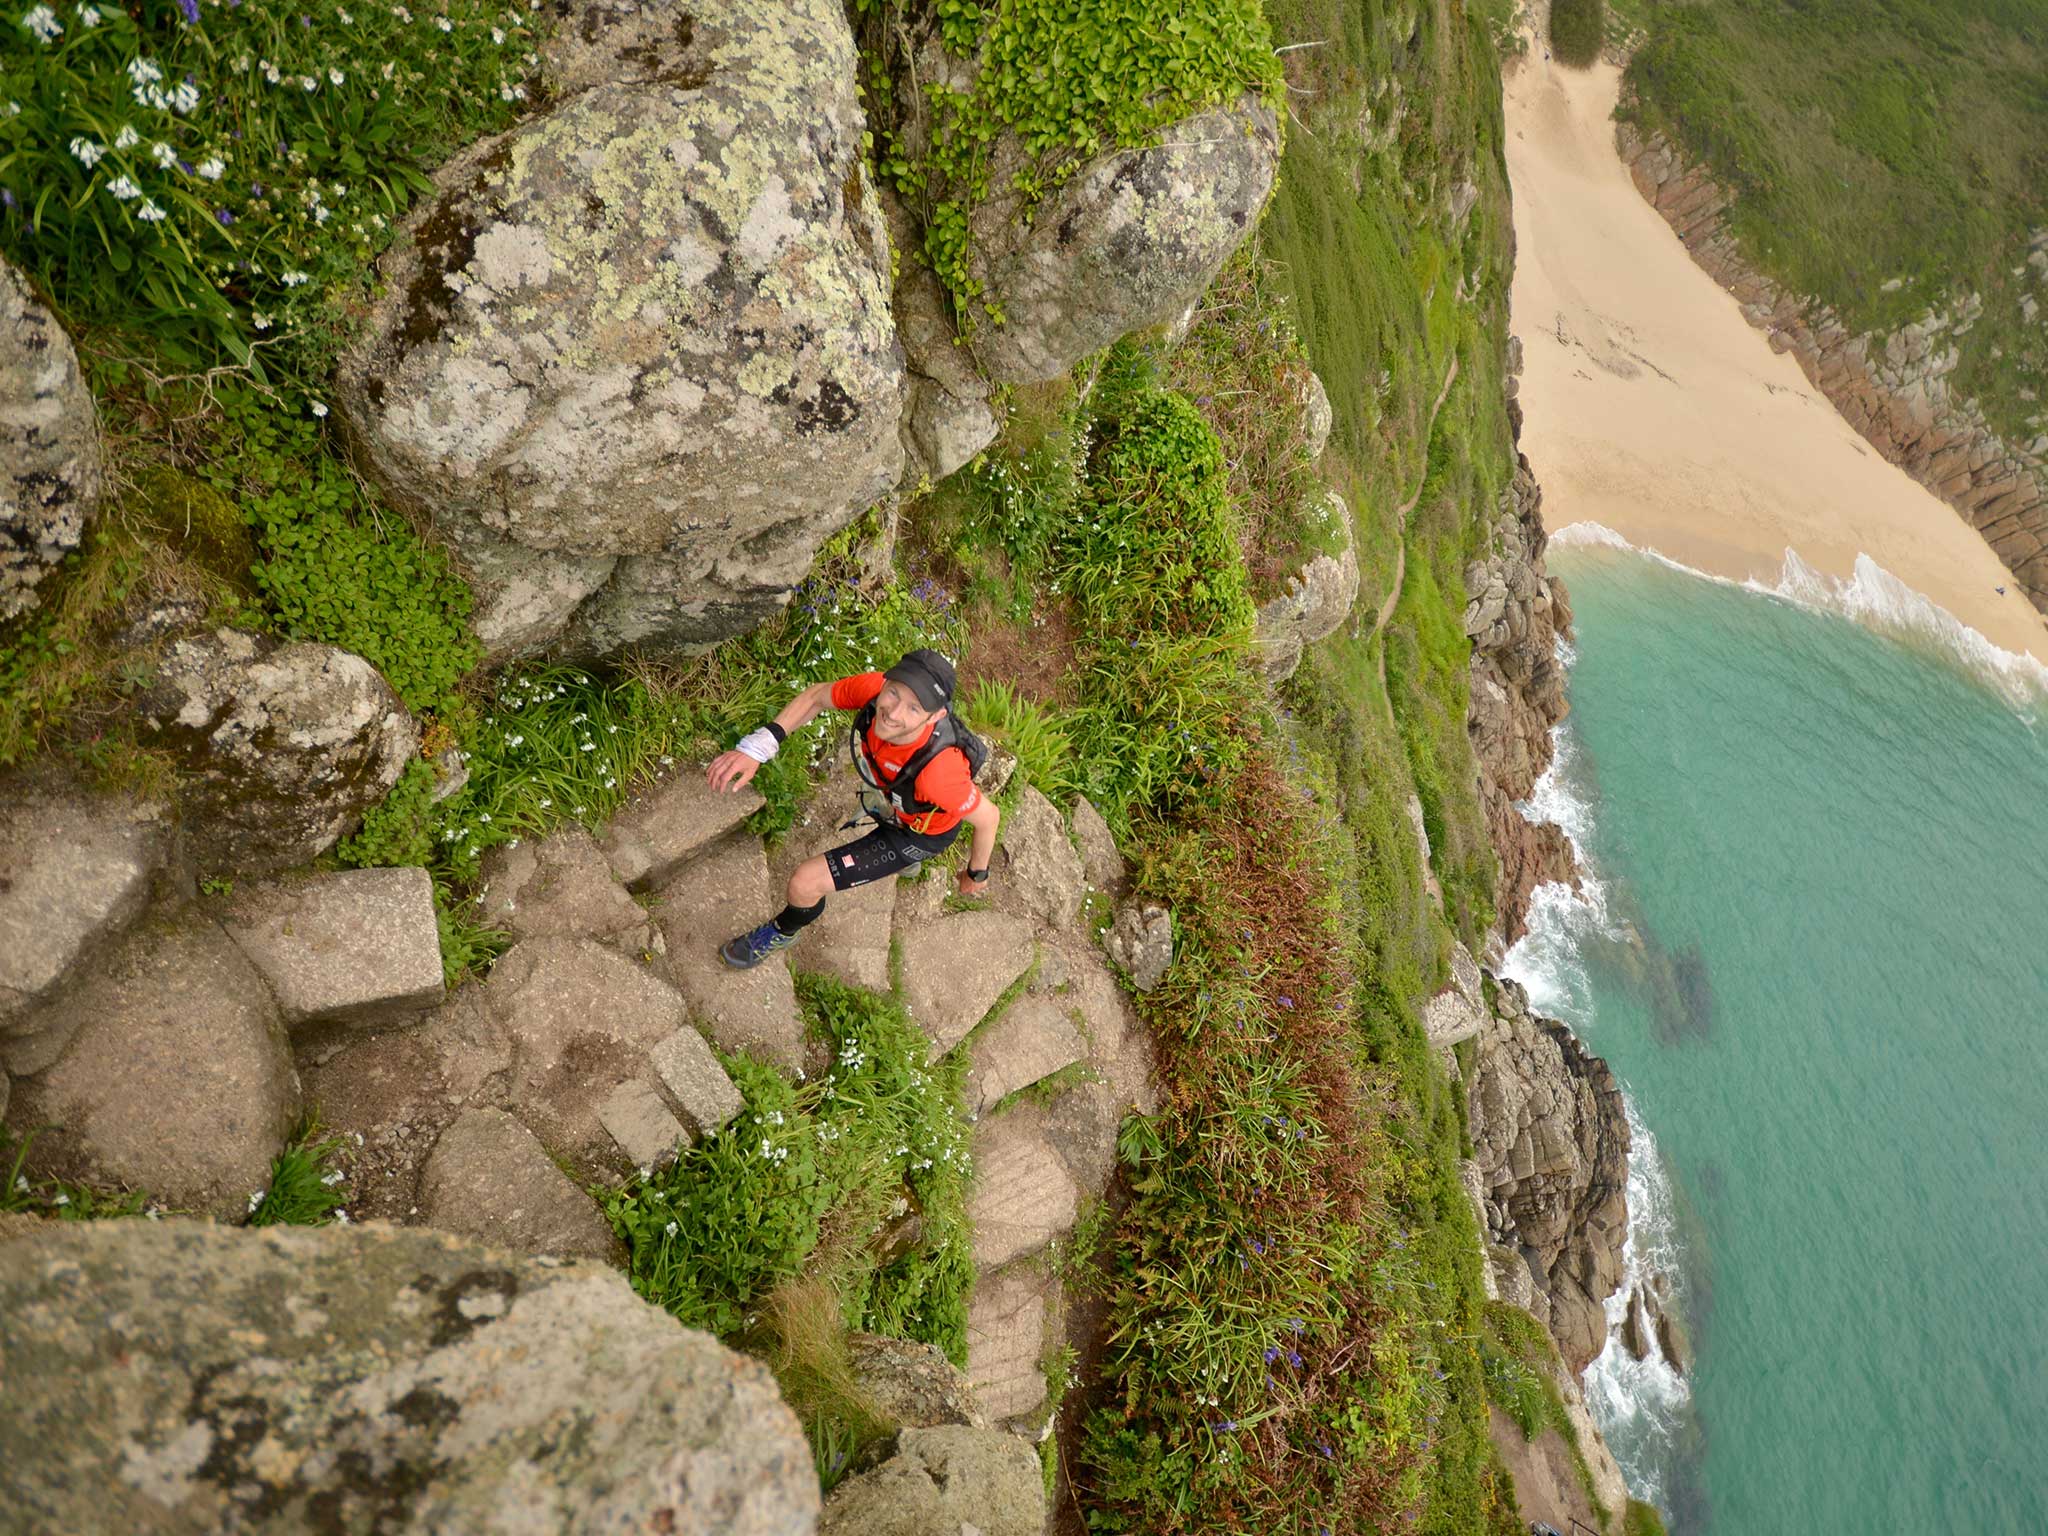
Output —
(898, 715)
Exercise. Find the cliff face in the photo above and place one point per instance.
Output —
(1551, 1143)
(1515, 616)
(1894, 390)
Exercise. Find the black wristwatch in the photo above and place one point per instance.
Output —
(977, 875)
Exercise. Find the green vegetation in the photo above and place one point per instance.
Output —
(57, 1198)
(1068, 78)
(1578, 30)
(1642, 1520)
(1883, 177)
(829, 1163)
(303, 1191)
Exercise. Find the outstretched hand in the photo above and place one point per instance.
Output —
(730, 770)
(969, 886)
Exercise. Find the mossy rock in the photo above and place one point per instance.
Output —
(195, 521)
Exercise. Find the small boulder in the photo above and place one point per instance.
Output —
(357, 946)
(913, 1384)
(1125, 244)
(946, 1480)
(284, 745)
(1635, 1331)
(1277, 633)
(1101, 865)
(488, 1178)
(1316, 415)
(176, 1077)
(666, 826)
(562, 885)
(371, 1378)
(49, 443)
(703, 1096)
(1039, 871)
(1673, 1342)
(641, 1124)
(956, 966)
(75, 871)
(1140, 940)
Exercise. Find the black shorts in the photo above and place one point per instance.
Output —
(888, 850)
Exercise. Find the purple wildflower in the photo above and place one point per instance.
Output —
(6, 197)
(224, 216)
(190, 8)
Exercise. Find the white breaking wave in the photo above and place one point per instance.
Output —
(1640, 1405)
(1871, 596)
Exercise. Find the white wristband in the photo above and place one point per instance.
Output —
(759, 744)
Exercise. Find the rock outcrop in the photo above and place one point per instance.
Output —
(174, 1376)
(1551, 1142)
(1317, 598)
(1895, 390)
(355, 946)
(1515, 612)
(50, 470)
(1126, 243)
(636, 360)
(284, 746)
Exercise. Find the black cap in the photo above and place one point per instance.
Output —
(926, 674)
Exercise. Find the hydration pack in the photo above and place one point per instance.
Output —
(901, 791)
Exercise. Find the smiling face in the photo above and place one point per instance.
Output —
(899, 718)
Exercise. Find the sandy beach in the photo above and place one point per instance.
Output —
(1654, 409)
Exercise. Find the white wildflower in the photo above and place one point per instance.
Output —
(89, 15)
(213, 168)
(321, 410)
(670, 1230)
(163, 154)
(143, 72)
(60, 1199)
(123, 189)
(88, 152)
(185, 97)
(271, 72)
(444, 23)
(293, 278)
(43, 22)
(498, 35)
(127, 138)
(308, 83)
(149, 213)
(342, 1217)
(335, 77)
(332, 1179)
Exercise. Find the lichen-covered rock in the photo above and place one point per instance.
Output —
(913, 1384)
(951, 1479)
(284, 746)
(74, 871)
(169, 1376)
(948, 419)
(1316, 416)
(649, 326)
(350, 946)
(50, 469)
(1140, 939)
(1124, 245)
(174, 1076)
(1101, 865)
(1038, 870)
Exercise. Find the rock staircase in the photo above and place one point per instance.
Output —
(188, 1035)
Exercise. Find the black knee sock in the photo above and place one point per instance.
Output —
(793, 919)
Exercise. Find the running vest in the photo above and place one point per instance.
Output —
(901, 791)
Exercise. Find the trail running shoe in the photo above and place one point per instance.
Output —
(750, 949)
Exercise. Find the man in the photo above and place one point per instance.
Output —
(905, 746)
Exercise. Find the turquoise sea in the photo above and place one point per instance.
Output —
(1815, 952)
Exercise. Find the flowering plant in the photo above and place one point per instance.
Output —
(213, 172)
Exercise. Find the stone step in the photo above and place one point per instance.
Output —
(563, 885)
(488, 1177)
(357, 947)
(666, 827)
(723, 892)
(1023, 1196)
(703, 1096)
(956, 965)
(1006, 1339)
(1029, 1042)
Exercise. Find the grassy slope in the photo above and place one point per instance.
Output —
(1871, 142)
